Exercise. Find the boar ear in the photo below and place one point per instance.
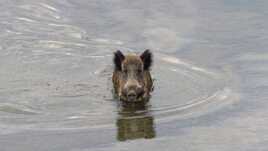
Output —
(147, 59)
(118, 59)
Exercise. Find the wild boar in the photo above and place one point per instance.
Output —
(131, 77)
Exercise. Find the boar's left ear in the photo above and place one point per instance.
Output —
(118, 59)
(147, 59)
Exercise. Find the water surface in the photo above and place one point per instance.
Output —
(210, 75)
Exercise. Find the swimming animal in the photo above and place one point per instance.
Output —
(132, 80)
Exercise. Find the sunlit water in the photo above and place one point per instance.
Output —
(210, 75)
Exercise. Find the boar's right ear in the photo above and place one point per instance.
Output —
(118, 59)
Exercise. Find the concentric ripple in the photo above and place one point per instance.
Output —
(182, 90)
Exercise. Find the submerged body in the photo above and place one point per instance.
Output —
(131, 77)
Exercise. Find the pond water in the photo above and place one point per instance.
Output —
(210, 75)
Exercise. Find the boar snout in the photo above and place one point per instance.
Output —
(133, 90)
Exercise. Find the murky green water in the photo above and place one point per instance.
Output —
(210, 75)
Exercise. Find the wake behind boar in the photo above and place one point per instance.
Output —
(131, 77)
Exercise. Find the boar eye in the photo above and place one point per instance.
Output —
(125, 70)
(139, 71)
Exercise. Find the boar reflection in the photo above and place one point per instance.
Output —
(135, 122)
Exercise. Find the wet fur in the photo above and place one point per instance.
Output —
(132, 59)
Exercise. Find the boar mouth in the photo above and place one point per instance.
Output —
(140, 97)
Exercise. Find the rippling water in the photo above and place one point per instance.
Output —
(210, 75)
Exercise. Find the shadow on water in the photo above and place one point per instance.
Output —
(135, 122)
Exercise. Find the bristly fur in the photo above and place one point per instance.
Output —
(118, 59)
(133, 77)
(146, 57)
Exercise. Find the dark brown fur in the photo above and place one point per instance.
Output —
(132, 74)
